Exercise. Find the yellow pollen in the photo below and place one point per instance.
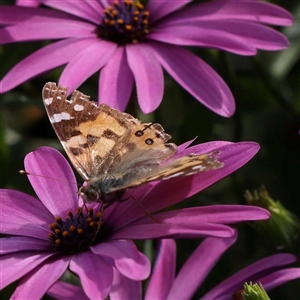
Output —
(120, 21)
(80, 231)
(128, 27)
(65, 233)
(114, 13)
(58, 241)
(72, 228)
(145, 22)
(92, 224)
(139, 6)
(58, 219)
(57, 231)
(112, 23)
(146, 13)
(89, 219)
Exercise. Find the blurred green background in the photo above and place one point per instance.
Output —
(267, 93)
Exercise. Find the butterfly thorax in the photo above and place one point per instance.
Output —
(102, 189)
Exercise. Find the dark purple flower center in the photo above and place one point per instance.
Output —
(124, 23)
(77, 232)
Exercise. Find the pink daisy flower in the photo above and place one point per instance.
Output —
(131, 43)
(43, 238)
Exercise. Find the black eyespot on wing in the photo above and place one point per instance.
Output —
(149, 141)
(139, 133)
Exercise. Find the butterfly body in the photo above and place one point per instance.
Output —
(113, 151)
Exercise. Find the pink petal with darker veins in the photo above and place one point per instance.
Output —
(25, 215)
(251, 273)
(187, 229)
(125, 257)
(66, 291)
(44, 59)
(53, 180)
(250, 10)
(198, 78)
(36, 283)
(22, 264)
(163, 271)
(193, 35)
(58, 29)
(116, 81)
(125, 287)
(197, 267)
(86, 63)
(89, 266)
(160, 9)
(77, 8)
(12, 15)
(15, 244)
(148, 75)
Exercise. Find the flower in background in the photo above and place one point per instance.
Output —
(31, 3)
(165, 284)
(47, 237)
(131, 43)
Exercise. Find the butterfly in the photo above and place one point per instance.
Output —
(113, 151)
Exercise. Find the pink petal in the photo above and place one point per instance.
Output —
(125, 288)
(159, 9)
(22, 264)
(192, 35)
(44, 59)
(116, 81)
(198, 78)
(250, 273)
(66, 291)
(57, 29)
(36, 283)
(95, 274)
(86, 63)
(31, 3)
(148, 76)
(152, 230)
(77, 8)
(53, 180)
(11, 15)
(219, 214)
(125, 257)
(279, 277)
(22, 214)
(198, 266)
(163, 271)
(15, 244)
(250, 10)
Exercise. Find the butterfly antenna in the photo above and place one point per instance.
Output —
(23, 172)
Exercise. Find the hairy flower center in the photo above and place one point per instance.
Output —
(124, 23)
(76, 233)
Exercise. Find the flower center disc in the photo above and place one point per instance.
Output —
(124, 23)
(76, 233)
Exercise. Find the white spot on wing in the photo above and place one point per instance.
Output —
(48, 101)
(199, 167)
(56, 118)
(58, 97)
(173, 175)
(78, 107)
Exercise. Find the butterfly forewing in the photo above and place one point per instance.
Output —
(101, 140)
